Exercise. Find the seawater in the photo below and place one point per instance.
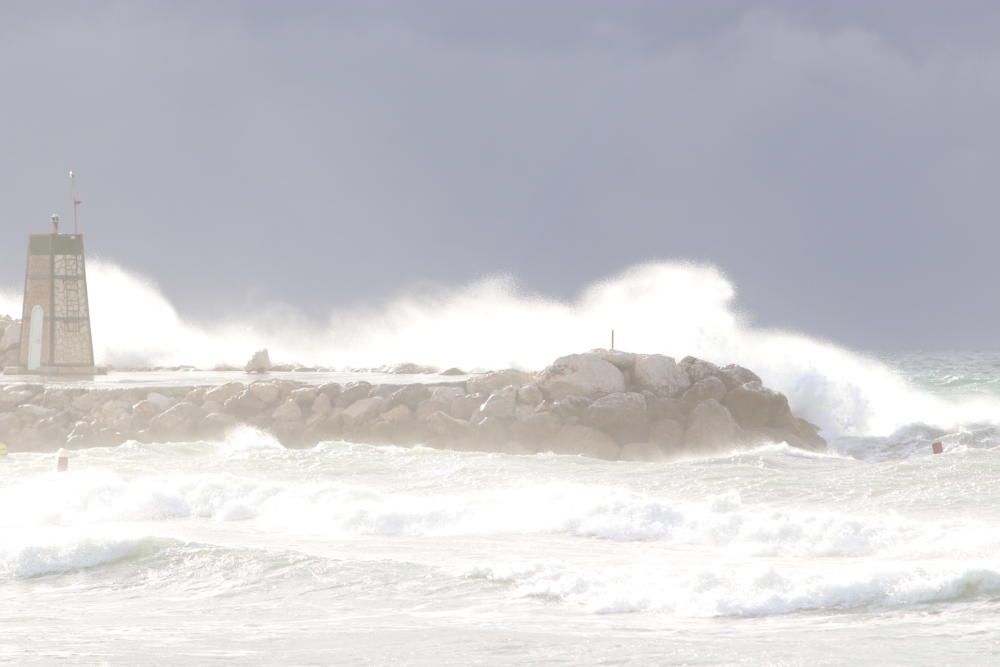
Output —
(242, 552)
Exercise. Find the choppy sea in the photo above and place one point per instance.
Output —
(242, 552)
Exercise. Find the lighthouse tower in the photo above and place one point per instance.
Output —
(55, 324)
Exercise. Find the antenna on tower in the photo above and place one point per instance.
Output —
(76, 202)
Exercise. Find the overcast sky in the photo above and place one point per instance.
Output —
(839, 161)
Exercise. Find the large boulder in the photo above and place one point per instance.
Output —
(490, 431)
(708, 387)
(699, 369)
(444, 427)
(660, 374)
(501, 403)
(465, 406)
(711, 427)
(586, 375)
(268, 393)
(224, 392)
(737, 376)
(667, 435)
(755, 406)
(665, 407)
(399, 414)
(144, 411)
(797, 433)
(216, 423)
(260, 362)
(624, 361)
(410, 396)
(569, 409)
(352, 392)
(178, 420)
(322, 405)
(363, 410)
(288, 411)
(530, 395)
(487, 383)
(585, 441)
(331, 389)
(245, 404)
(304, 396)
(621, 415)
(537, 428)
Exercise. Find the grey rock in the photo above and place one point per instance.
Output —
(501, 403)
(737, 376)
(179, 418)
(621, 415)
(268, 393)
(711, 427)
(708, 387)
(586, 375)
(363, 410)
(244, 405)
(224, 392)
(287, 411)
(488, 383)
(352, 392)
(665, 407)
(216, 423)
(464, 407)
(409, 396)
(304, 396)
(667, 435)
(322, 405)
(537, 428)
(755, 406)
(585, 441)
(445, 427)
(530, 394)
(699, 369)
(260, 362)
(660, 374)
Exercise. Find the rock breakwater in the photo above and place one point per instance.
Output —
(606, 404)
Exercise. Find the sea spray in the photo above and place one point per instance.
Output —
(672, 308)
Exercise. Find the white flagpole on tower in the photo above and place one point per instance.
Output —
(76, 202)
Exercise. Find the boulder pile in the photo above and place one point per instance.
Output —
(606, 404)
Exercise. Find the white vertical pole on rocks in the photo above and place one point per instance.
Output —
(612, 339)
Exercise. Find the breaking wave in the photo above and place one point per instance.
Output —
(742, 591)
(671, 308)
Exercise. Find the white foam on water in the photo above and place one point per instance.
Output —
(671, 308)
(739, 589)
(306, 506)
(34, 555)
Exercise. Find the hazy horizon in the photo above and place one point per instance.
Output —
(833, 161)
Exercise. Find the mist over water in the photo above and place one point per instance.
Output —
(671, 308)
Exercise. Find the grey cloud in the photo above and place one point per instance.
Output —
(836, 160)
